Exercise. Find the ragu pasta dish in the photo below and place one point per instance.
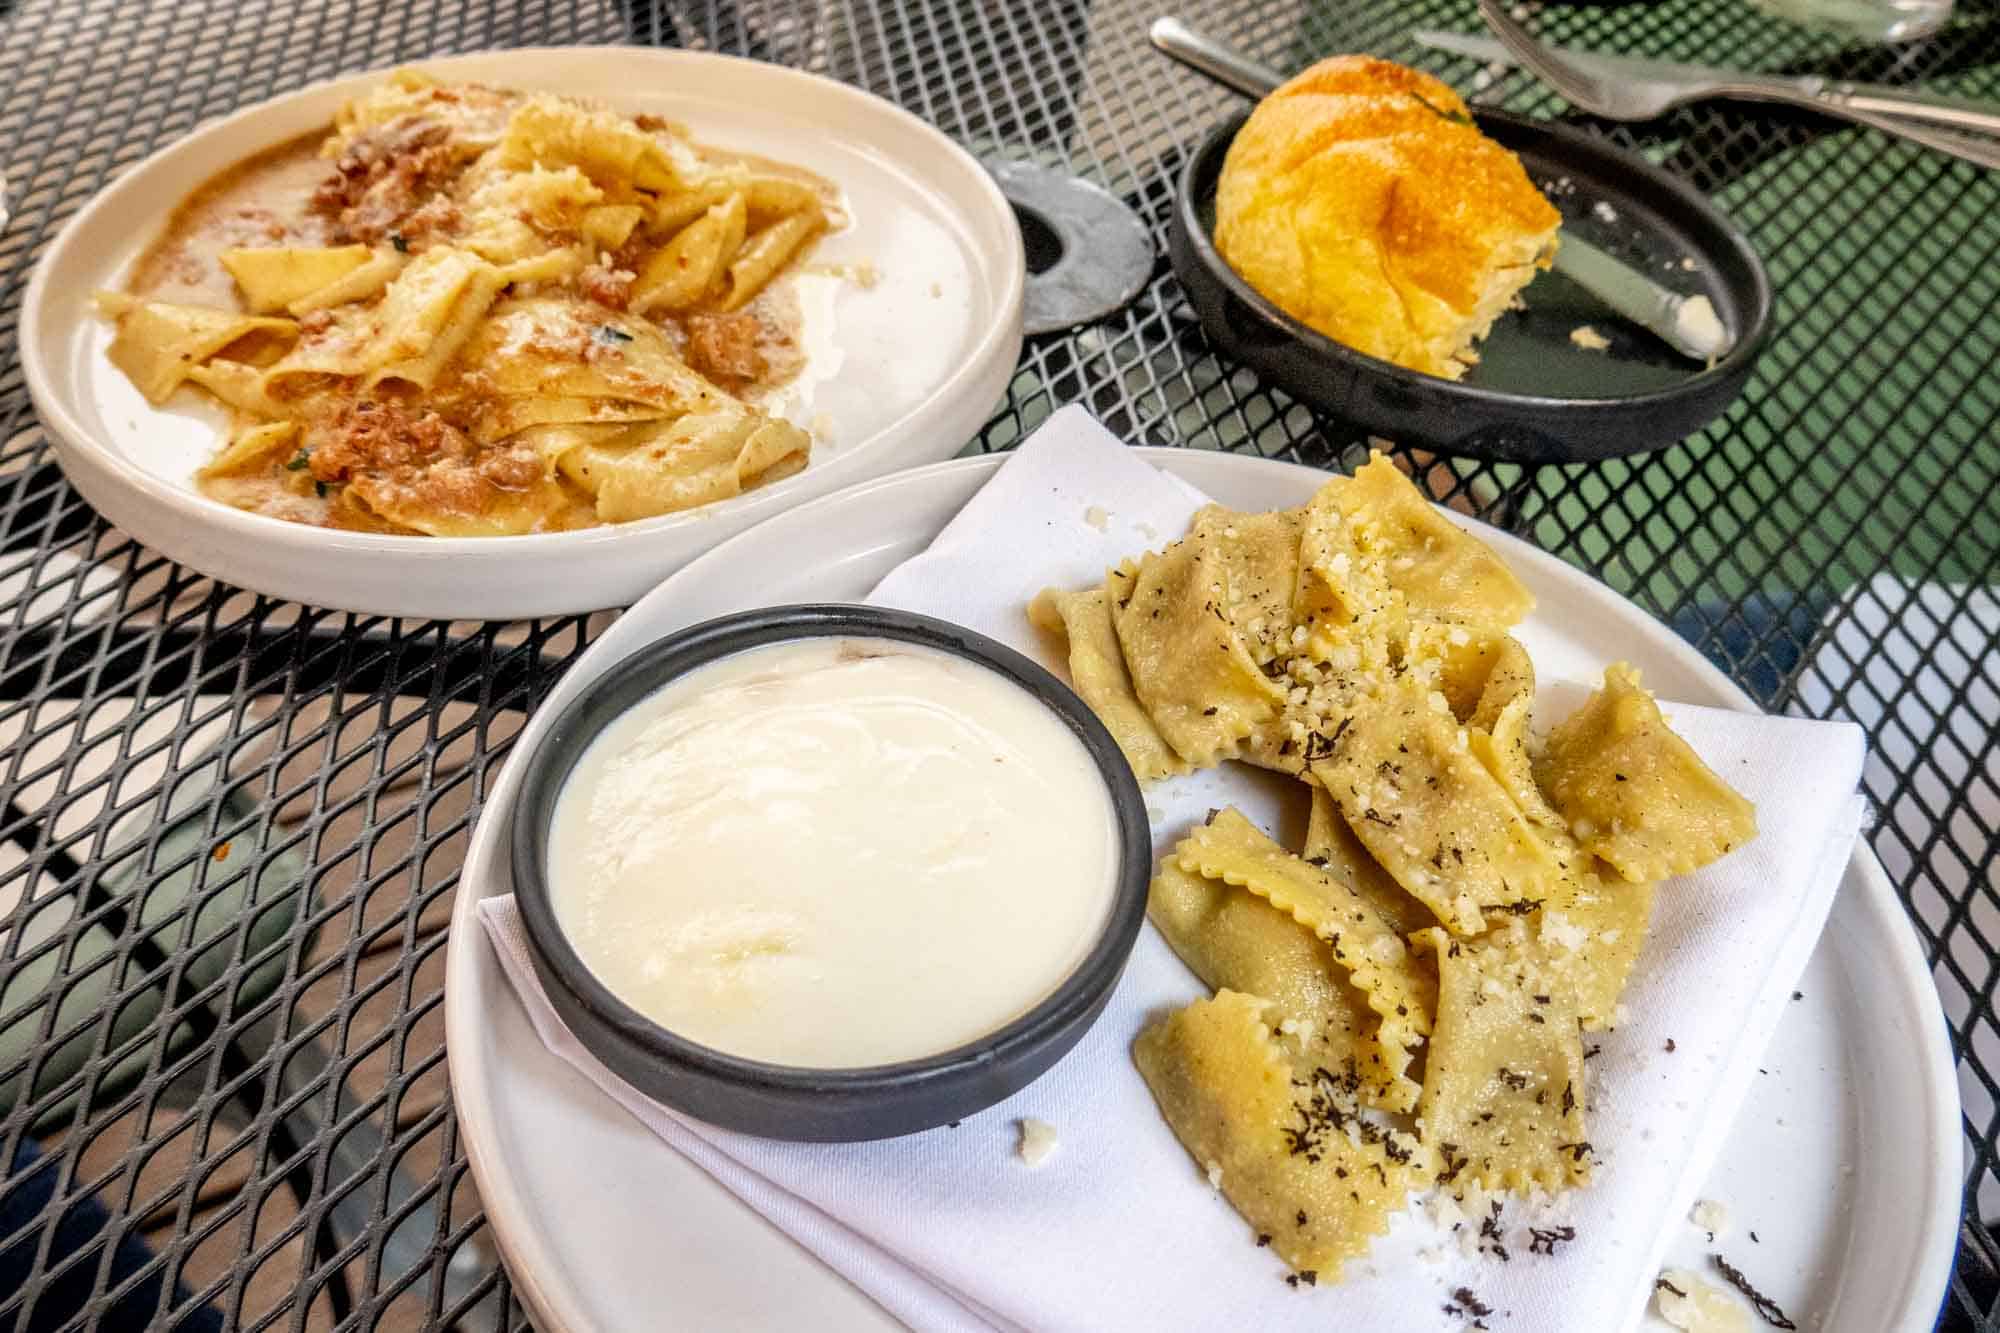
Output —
(471, 312)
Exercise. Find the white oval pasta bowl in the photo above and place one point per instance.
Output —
(906, 365)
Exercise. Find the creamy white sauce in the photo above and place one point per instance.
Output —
(834, 852)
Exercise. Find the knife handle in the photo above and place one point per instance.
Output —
(1174, 38)
(1950, 112)
(1981, 151)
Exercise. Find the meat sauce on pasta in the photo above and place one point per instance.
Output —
(468, 311)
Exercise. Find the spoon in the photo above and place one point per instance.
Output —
(1688, 324)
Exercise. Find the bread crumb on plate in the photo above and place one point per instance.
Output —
(1038, 1141)
(1687, 1302)
(1588, 338)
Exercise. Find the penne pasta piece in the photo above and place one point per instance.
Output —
(676, 210)
(773, 197)
(683, 271)
(764, 254)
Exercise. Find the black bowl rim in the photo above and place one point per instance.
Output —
(663, 660)
(1749, 344)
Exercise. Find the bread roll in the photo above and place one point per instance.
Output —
(1362, 200)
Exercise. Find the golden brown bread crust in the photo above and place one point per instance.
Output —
(1360, 199)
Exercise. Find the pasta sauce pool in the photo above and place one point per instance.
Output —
(833, 853)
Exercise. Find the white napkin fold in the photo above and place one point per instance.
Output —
(1118, 1229)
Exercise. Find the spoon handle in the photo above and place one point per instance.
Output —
(1205, 56)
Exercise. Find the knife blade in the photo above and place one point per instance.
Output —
(1907, 102)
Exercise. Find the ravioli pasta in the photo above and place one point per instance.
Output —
(1402, 1001)
(468, 311)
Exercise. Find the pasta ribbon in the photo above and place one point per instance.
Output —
(272, 279)
(364, 282)
(252, 448)
(1232, 849)
(1405, 778)
(1234, 940)
(493, 294)
(1332, 846)
(1097, 673)
(1503, 1080)
(696, 459)
(1591, 931)
(1442, 570)
(1284, 1144)
(1633, 792)
(1183, 618)
(617, 155)
(158, 343)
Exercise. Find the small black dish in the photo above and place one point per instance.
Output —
(1534, 397)
(781, 1101)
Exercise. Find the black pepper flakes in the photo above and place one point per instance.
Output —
(1670, 1045)
(1547, 1240)
(1766, 1308)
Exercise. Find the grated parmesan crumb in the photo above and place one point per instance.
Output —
(1687, 1302)
(1097, 517)
(1558, 930)
(1588, 338)
(1215, 1175)
(1038, 1141)
(1711, 1216)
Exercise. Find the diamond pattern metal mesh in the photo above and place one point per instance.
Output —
(232, 827)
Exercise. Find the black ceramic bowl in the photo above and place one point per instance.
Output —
(782, 1101)
(1534, 397)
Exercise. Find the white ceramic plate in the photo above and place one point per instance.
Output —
(1844, 1159)
(905, 368)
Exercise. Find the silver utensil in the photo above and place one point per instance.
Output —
(1674, 318)
(1625, 98)
(1204, 55)
(1903, 103)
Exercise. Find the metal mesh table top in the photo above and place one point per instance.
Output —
(232, 826)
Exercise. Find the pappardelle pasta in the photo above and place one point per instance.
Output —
(1400, 1002)
(469, 311)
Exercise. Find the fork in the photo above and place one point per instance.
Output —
(1647, 99)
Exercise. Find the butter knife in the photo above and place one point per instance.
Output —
(1907, 104)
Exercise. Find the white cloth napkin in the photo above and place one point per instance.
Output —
(1119, 1229)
